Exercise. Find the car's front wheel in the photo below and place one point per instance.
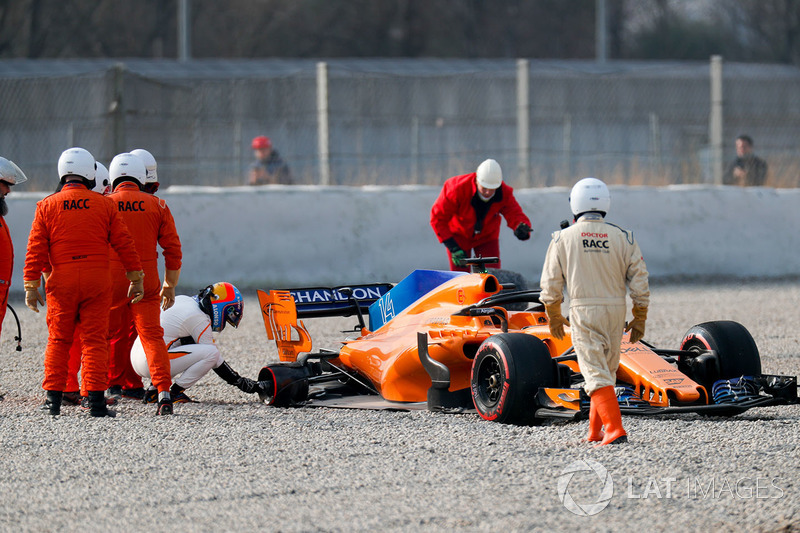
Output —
(507, 372)
(736, 352)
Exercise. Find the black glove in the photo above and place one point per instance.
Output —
(523, 232)
(265, 388)
(247, 385)
(232, 377)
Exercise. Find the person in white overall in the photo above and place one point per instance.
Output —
(188, 325)
(598, 262)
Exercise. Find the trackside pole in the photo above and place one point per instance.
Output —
(322, 124)
(715, 120)
(523, 121)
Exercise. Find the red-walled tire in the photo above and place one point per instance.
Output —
(507, 372)
(289, 384)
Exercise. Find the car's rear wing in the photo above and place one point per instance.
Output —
(315, 302)
(283, 309)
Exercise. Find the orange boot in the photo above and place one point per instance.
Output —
(608, 411)
(595, 423)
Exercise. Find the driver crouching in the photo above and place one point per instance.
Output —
(188, 327)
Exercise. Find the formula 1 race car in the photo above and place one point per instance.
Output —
(448, 341)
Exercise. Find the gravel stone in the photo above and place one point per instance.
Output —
(230, 463)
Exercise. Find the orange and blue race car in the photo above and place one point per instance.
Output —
(454, 342)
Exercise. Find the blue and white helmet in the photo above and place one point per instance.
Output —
(222, 302)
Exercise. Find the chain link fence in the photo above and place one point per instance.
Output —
(397, 122)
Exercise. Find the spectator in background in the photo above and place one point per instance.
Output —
(747, 170)
(268, 168)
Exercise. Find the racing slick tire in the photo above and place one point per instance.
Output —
(737, 353)
(507, 372)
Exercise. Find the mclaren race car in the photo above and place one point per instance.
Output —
(450, 341)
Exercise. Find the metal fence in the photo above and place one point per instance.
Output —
(394, 122)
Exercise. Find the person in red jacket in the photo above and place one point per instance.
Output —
(466, 215)
(73, 230)
(150, 222)
(10, 175)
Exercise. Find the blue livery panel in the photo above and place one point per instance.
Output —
(408, 291)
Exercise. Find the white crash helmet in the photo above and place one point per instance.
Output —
(489, 174)
(102, 184)
(127, 166)
(76, 162)
(10, 172)
(589, 194)
(149, 164)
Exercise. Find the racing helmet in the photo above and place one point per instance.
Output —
(489, 174)
(10, 172)
(149, 164)
(222, 302)
(261, 142)
(102, 184)
(589, 194)
(127, 167)
(76, 162)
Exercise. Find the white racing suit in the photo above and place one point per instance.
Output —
(597, 261)
(187, 334)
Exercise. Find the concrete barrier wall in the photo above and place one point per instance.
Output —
(280, 236)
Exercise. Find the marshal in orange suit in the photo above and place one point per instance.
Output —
(74, 230)
(150, 222)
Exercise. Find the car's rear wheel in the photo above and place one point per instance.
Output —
(507, 372)
(289, 384)
(736, 352)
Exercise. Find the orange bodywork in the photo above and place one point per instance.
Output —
(388, 357)
(280, 319)
(655, 380)
(566, 398)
